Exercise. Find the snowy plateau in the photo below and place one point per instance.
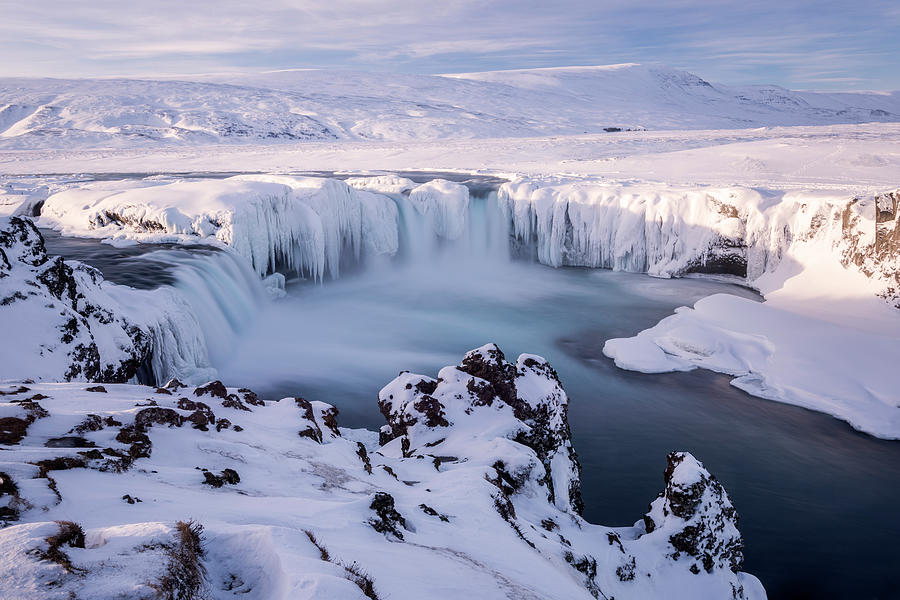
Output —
(129, 470)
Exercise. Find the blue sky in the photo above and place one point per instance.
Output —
(800, 44)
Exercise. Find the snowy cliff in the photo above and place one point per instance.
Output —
(62, 322)
(762, 236)
(58, 319)
(303, 224)
(124, 489)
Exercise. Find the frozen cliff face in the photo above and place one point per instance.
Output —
(696, 518)
(642, 228)
(445, 206)
(99, 485)
(57, 317)
(306, 224)
(669, 231)
(874, 247)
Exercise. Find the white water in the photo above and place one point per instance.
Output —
(224, 295)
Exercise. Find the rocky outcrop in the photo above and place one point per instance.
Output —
(695, 516)
(416, 407)
(58, 314)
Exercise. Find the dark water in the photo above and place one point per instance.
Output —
(129, 265)
(817, 500)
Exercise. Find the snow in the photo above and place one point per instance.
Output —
(291, 107)
(255, 530)
(823, 339)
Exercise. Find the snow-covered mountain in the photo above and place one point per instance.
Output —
(306, 105)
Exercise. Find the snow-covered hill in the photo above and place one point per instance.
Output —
(296, 106)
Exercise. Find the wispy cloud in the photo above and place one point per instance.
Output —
(798, 42)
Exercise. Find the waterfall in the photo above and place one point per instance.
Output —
(475, 232)
(214, 297)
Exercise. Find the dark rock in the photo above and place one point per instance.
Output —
(17, 390)
(433, 513)
(227, 476)
(202, 417)
(13, 429)
(232, 401)
(90, 423)
(96, 388)
(388, 517)
(9, 495)
(364, 456)
(174, 385)
(157, 416)
(213, 388)
(251, 398)
(61, 463)
(138, 441)
(329, 419)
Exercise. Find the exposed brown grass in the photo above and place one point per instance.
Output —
(185, 577)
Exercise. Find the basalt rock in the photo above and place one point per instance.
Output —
(157, 416)
(694, 514)
(213, 388)
(389, 520)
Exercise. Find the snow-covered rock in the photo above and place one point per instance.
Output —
(695, 516)
(58, 319)
(485, 387)
(62, 321)
(217, 491)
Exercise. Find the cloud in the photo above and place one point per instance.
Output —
(722, 40)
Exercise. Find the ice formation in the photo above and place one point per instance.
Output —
(445, 205)
(474, 491)
(303, 224)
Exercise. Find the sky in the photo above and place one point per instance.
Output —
(800, 44)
